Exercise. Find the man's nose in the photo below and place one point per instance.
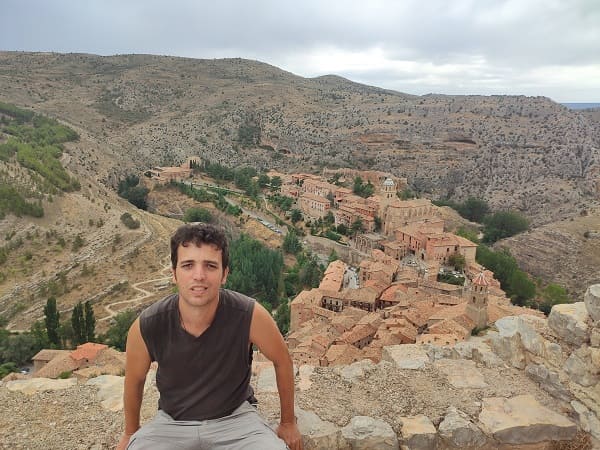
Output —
(199, 273)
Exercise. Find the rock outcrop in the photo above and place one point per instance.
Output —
(520, 387)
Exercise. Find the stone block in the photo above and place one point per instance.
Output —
(525, 326)
(406, 356)
(317, 434)
(418, 433)
(462, 374)
(365, 433)
(549, 381)
(356, 371)
(34, 385)
(583, 366)
(595, 337)
(522, 420)
(591, 299)
(509, 348)
(587, 419)
(304, 373)
(569, 322)
(457, 431)
(266, 381)
(110, 391)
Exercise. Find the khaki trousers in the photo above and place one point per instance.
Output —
(243, 429)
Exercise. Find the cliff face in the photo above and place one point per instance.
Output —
(135, 111)
(529, 383)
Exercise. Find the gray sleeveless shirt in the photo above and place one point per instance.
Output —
(202, 377)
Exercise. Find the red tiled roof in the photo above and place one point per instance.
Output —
(88, 351)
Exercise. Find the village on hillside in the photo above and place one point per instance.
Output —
(388, 293)
(392, 295)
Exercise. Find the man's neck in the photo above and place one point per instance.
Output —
(196, 319)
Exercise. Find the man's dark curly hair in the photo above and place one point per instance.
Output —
(200, 233)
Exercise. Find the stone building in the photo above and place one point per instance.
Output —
(477, 305)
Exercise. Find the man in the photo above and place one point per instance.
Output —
(201, 339)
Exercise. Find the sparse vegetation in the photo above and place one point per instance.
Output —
(129, 221)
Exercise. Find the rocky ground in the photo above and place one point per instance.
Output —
(521, 386)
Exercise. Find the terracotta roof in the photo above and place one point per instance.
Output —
(48, 354)
(480, 280)
(88, 351)
(343, 354)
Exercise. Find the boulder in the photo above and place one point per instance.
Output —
(462, 374)
(549, 381)
(266, 381)
(110, 391)
(317, 434)
(592, 301)
(367, 433)
(595, 337)
(356, 371)
(406, 356)
(587, 419)
(477, 350)
(568, 321)
(525, 326)
(436, 352)
(509, 348)
(522, 420)
(583, 366)
(34, 385)
(457, 431)
(418, 433)
(304, 374)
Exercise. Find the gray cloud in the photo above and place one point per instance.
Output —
(535, 47)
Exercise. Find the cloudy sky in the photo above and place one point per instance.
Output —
(530, 47)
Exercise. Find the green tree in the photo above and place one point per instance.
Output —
(52, 321)
(282, 317)
(378, 223)
(263, 180)
(457, 260)
(406, 194)
(553, 294)
(468, 234)
(474, 209)
(522, 289)
(275, 183)
(78, 324)
(333, 256)
(503, 224)
(116, 336)
(291, 243)
(90, 322)
(357, 226)
(197, 215)
(296, 215)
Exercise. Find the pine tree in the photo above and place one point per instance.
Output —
(90, 323)
(78, 323)
(52, 318)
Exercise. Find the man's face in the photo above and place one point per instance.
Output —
(199, 274)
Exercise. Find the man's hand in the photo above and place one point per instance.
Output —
(124, 442)
(290, 434)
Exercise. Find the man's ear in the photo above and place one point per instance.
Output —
(225, 273)
(174, 277)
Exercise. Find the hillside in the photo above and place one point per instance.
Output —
(135, 111)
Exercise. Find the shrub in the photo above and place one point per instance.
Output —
(129, 221)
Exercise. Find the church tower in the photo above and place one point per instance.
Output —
(477, 305)
(388, 189)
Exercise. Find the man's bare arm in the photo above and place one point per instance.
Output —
(136, 368)
(265, 334)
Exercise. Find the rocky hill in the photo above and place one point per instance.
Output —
(134, 111)
(529, 383)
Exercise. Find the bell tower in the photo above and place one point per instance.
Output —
(477, 305)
